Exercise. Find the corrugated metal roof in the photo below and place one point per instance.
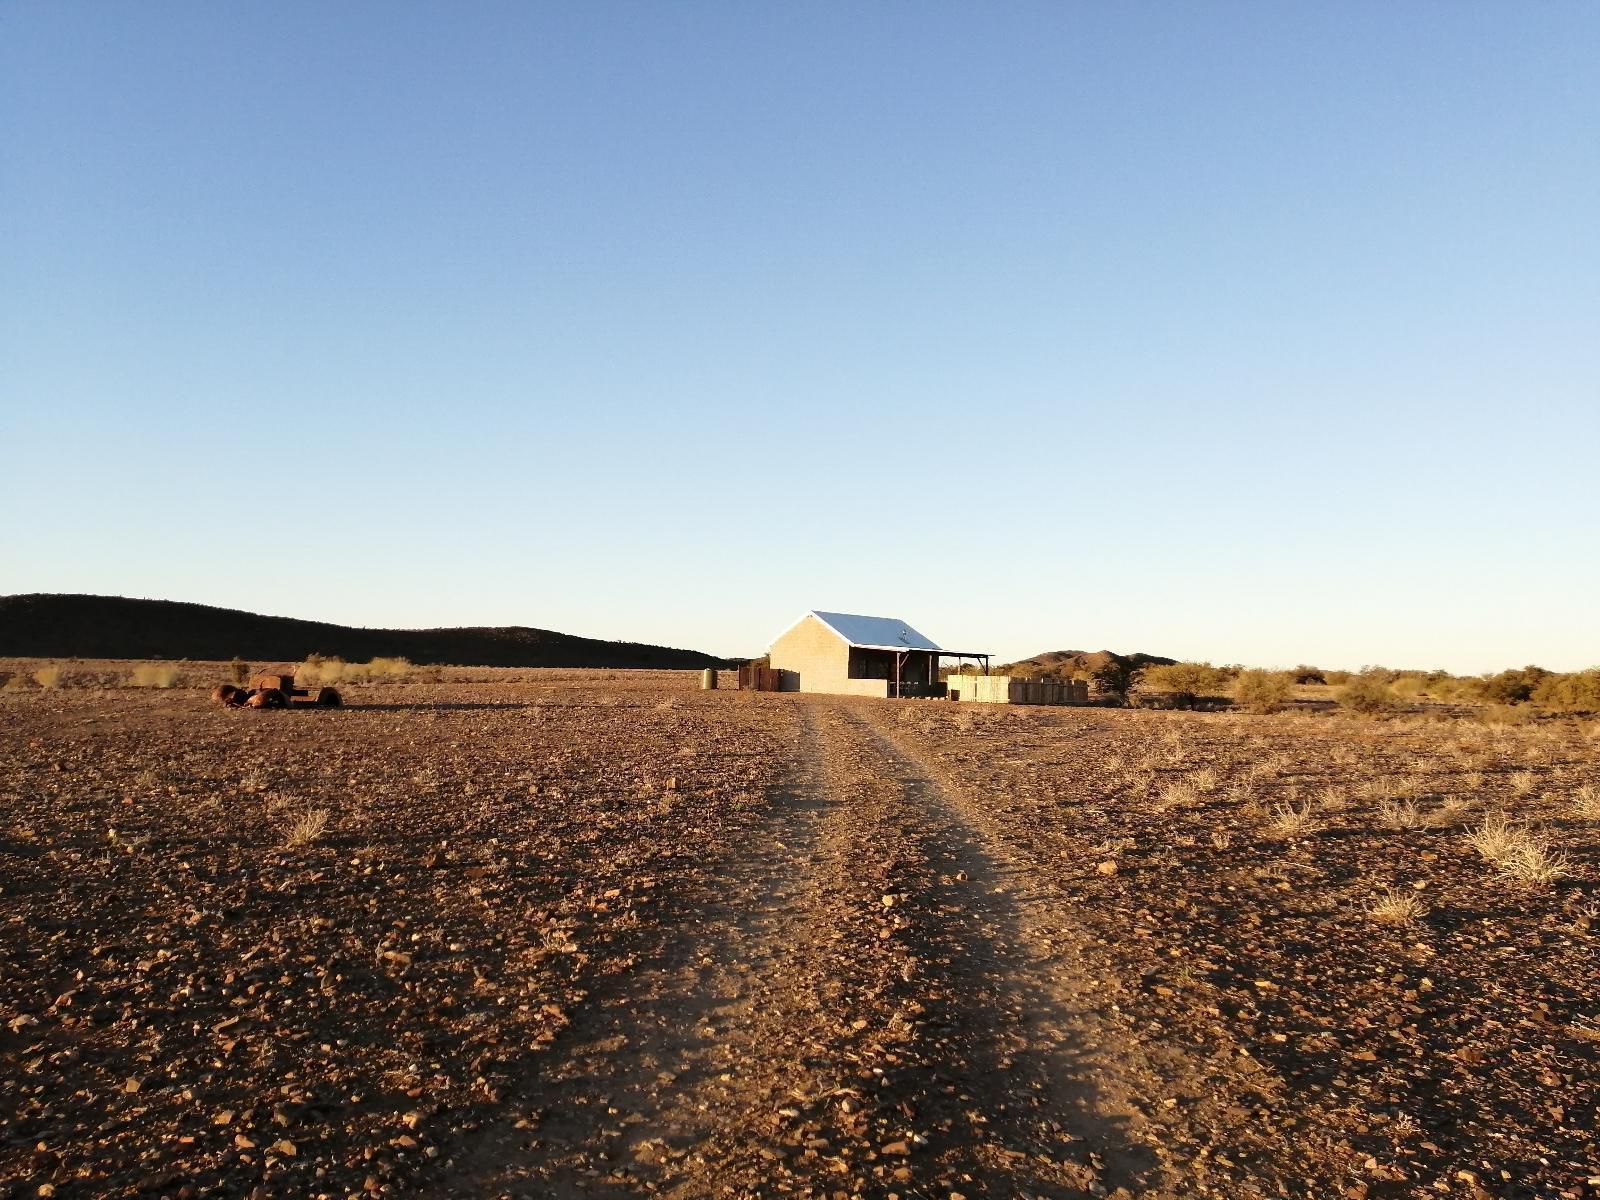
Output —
(875, 633)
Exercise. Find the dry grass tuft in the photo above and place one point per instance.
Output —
(1586, 802)
(48, 677)
(1495, 837)
(1396, 906)
(1517, 853)
(1177, 793)
(307, 827)
(1534, 862)
(1292, 821)
(1401, 814)
(1452, 808)
(1522, 783)
(1375, 790)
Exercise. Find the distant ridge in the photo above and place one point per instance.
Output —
(1063, 664)
(41, 625)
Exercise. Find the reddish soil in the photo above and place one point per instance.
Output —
(579, 935)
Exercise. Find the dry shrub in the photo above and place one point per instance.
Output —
(1505, 715)
(49, 677)
(319, 669)
(307, 827)
(154, 675)
(1522, 783)
(1396, 906)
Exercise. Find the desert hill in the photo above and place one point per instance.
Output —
(1064, 664)
(75, 626)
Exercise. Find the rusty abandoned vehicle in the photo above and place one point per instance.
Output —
(275, 691)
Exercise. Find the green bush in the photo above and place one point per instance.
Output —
(1409, 686)
(1187, 681)
(1368, 694)
(1510, 687)
(1263, 691)
(1577, 692)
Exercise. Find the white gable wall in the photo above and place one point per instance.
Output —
(820, 662)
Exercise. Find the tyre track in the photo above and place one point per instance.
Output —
(741, 1048)
(1063, 1095)
(657, 1071)
(867, 999)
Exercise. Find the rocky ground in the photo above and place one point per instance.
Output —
(563, 935)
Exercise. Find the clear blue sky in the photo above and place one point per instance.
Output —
(1252, 332)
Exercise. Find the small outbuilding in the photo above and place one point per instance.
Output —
(846, 654)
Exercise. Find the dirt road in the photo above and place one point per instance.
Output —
(869, 997)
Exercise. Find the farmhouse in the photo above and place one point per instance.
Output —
(850, 655)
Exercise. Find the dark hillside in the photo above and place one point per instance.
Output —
(73, 626)
(1064, 664)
